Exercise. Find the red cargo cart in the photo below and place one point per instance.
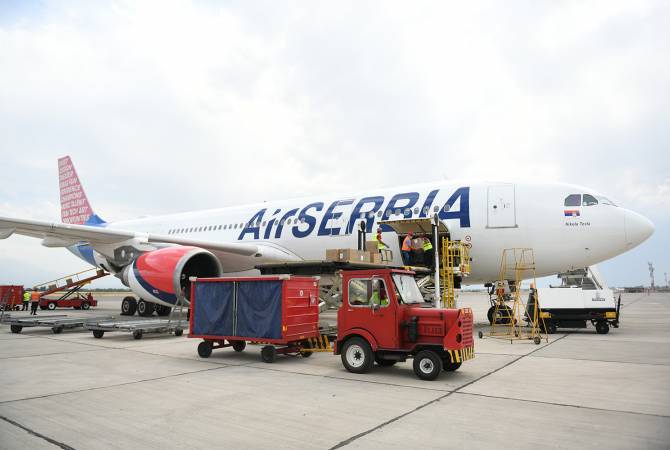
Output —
(279, 311)
(11, 297)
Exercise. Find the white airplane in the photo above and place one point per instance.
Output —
(567, 226)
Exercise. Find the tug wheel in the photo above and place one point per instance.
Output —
(239, 346)
(427, 365)
(357, 355)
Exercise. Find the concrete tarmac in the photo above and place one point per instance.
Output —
(580, 390)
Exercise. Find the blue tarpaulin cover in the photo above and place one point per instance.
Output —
(248, 309)
(259, 309)
(213, 312)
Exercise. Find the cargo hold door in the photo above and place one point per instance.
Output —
(501, 206)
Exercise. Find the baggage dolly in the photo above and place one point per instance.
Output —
(137, 327)
(57, 323)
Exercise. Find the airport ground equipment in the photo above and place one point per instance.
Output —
(522, 320)
(71, 298)
(70, 286)
(57, 323)
(576, 307)
(280, 311)
(383, 319)
(139, 327)
(581, 298)
(11, 298)
(399, 326)
(450, 260)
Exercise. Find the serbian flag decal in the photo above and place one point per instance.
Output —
(571, 213)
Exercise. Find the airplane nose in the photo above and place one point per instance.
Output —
(638, 228)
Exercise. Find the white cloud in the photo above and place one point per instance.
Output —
(172, 106)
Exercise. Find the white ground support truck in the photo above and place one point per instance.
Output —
(582, 297)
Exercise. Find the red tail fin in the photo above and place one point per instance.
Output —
(74, 206)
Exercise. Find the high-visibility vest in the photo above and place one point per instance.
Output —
(26, 296)
(427, 245)
(407, 244)
(380, 246)
(374, 299)
(35, 296)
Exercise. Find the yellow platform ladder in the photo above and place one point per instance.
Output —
(455, 261)
(518, 264)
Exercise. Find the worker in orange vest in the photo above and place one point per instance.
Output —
(34, 302)
(406, 249)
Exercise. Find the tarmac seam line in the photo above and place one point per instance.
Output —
(111, 385)
(567, 405)
(35, 433)
(49, 354)
(455, 391)
(603, 360)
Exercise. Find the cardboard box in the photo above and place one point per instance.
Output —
(370, 246)
(375, 257)
(347, 255)
(332, 254)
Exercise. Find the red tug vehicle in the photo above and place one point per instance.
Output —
(383, 318)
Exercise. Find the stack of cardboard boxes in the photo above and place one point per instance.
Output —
(370, 255)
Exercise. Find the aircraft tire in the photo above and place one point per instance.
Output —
(145, 308)
(504, 315)
(128, 306)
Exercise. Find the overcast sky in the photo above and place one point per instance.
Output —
(172, 106)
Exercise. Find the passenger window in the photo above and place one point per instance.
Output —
(366, 292)
(436, 208)
(573, 200)
(589, 200)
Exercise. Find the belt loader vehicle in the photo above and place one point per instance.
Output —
(383, 319)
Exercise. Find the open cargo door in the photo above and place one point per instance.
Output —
(416, 226)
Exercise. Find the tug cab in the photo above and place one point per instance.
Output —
(385, 319)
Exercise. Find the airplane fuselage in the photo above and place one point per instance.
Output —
(489, 216)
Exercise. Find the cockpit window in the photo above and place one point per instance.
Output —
(573, 200)
(589, 200)
(605, 201)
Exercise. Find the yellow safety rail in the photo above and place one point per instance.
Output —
(455, 261)
(518, 264)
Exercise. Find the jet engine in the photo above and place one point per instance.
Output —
(158, 276)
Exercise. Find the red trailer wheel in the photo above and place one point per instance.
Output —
(238, 346)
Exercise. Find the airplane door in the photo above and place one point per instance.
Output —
(501, 212)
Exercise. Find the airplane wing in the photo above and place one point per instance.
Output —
(63, 235)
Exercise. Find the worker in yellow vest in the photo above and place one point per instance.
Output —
(428, 255)
(406, 249)
(26, 300)
(34, 302)
(381, 245)
(379, 296)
